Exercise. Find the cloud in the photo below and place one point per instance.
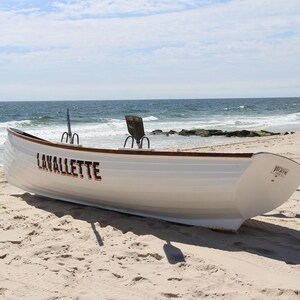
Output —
(156, 43)
(104, 8)
(128, 8)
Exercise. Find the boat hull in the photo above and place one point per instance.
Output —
(213, 191)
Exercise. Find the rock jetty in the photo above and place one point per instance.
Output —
(216, 132)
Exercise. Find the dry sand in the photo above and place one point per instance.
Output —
(55, 250)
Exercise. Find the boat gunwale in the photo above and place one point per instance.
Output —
(37, 140)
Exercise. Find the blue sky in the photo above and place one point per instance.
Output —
(147, 49)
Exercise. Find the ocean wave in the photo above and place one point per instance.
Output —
(244, 123)
(150, 118)
(113, 133)
(115, 130)
(235, 108)
(43, 120)
(285, 122)
(232, 122)
(16, 124)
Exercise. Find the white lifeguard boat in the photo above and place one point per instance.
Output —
(214, 190)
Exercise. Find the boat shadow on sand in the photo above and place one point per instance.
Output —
(256, 237)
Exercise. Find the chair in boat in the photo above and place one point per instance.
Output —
(135, 128)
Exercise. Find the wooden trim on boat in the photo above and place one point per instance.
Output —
(23, 135)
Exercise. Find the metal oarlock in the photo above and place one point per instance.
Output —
(68, 136)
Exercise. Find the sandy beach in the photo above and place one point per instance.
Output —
(55, 250)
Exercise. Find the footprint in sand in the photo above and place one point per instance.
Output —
(154, 255)
(2, 291)
(138, 279)
(117, 275)
(138, 245)
(174, 279)
(287, 293)
(3, 255)
(171, 295)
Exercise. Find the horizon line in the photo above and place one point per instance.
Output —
(154, 99)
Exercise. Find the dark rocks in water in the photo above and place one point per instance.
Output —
(235, 133)
(172, 132)
(186, 132)
(158, 131)
(252, 133)
(241, 133)
(201, 132)
(216, 132)
(267, 133)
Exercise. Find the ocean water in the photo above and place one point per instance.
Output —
(102, 124)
